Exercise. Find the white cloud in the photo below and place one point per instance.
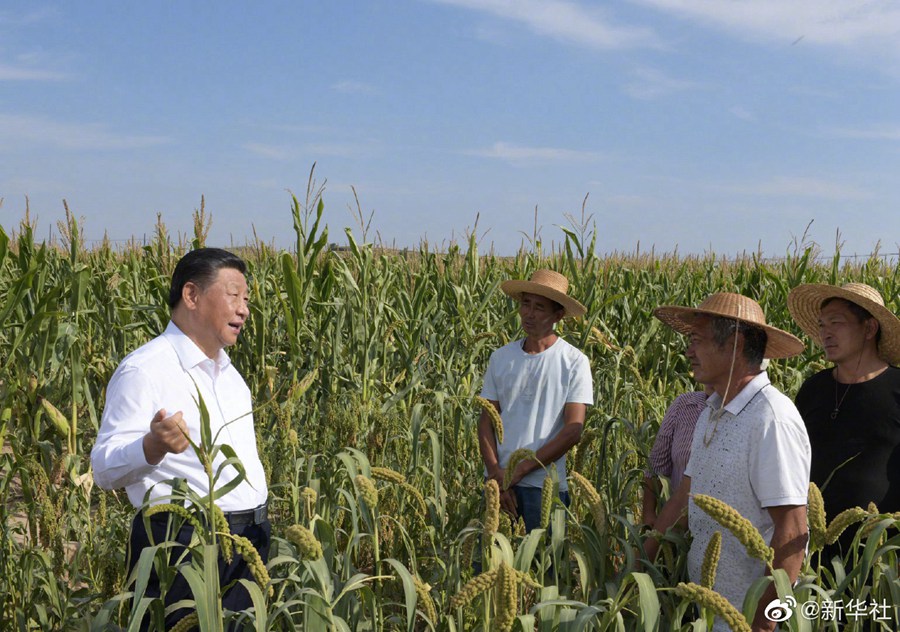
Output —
(649, 83)
(518, 153)
(297, 129)
(32, 17)
(25, 73)
(819, 93)
(743, 113)
(344, 150)
(564, 20)
(276, 152)
(317, 150)
(862, 23)
(884, 132)
(44, 131)
(353, 87)
(803, 187)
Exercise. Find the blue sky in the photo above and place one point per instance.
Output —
(691, 124)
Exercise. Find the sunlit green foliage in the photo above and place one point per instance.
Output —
(362, 358)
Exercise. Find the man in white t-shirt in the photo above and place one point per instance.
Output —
(750, 447)
(541, 385)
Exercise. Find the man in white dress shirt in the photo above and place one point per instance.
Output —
(151, 410)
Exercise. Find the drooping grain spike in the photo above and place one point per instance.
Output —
(514, 459)
(593, 499)
(178, 510)
(189, 622)
(496, 420)
(842, 521)
(254, 563)
(549, 491)
(816, 518)
(222, 527)
(387, 474)
(423, 592)
(715, 602)
(507, 597)
(305, 541)
(473, 588)
(711, 561)
(492, 507)
(366, 490)
(740, 527)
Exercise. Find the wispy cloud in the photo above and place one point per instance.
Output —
(818, 93)
(866, 23)
(517, 153)
(353, 87)
(25, 73)
(743, 113)
(343, 150)
(882, 132)
(649, 83)
(292, 128)
(317, 150)
(7, 18)
(275, 152)
(566, 21)
(802, 187)
(64, 135)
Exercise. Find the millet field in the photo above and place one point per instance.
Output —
(365, 365)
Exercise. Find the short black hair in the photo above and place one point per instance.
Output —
(201, 267)
(755, 338)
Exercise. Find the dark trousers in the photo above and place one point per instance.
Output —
(236, 598)
(528, 504)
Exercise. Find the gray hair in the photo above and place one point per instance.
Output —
(755, 339)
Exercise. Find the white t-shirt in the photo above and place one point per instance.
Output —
(758, 457)
(533, 390)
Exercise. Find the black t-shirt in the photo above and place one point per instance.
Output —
(866, 431)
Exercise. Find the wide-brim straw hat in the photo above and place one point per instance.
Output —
(548, 284)
(779, 344)
(805, 304)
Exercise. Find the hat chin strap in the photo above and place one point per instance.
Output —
(737, 328)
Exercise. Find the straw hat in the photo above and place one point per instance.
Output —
(548, 284)
(805, 304)
(779, 344)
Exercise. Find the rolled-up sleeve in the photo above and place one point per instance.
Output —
(118, 455)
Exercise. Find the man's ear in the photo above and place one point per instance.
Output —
(190, 293)
(871, 328)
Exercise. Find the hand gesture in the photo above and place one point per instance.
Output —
(168, 434)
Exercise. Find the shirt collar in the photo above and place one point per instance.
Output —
(736, 405)
(189, 354)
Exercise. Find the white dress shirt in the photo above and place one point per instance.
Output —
(167, 372)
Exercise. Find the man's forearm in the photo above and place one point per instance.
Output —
(557, 447)
(487, 444)
(673, 512)
(789, 544)
(648, 500)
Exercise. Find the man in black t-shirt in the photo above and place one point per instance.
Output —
(851, 411)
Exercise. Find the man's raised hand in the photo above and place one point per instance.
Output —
(167, 435)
